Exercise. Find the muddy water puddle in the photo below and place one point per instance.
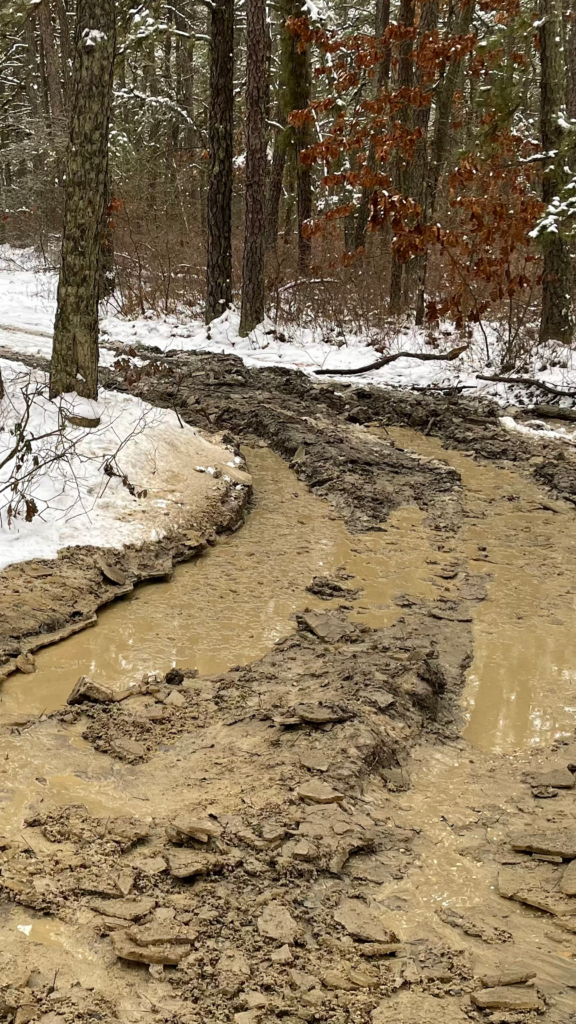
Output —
(521, 688)
(231, 605)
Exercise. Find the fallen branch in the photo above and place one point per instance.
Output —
(378, 363)
(527, 382)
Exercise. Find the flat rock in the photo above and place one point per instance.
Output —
(111, 572)
(160, 933)
(381, 698)
(559, 842)
(87, 690)
(558, 778)
(538, 888)
(510, 977)
(247, 1016)
(568, 883)
(175, 699)
(315, 761)
(125, 747)
(507, 997)
(185, 827)
(160, 954)
(320, 714)
(325, 627)
(276, 922)
(282, 955)
(316, 792)
(361, 922)
(184, 864)
(128, 909)
(26, 663)
(303, 981)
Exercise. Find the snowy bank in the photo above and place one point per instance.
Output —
(132, 479)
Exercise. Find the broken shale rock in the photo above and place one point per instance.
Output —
(276, 922)
(362, 923)
(512, 997)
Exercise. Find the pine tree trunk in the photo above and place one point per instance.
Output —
(383, 82)
(256, 105)
(557, 322)
(65, 46)
(75, 352)
(275, 182)
(220, 134)
(402, 170)
(441, 138)
(50, 60)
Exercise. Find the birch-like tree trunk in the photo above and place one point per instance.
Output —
(75, 352)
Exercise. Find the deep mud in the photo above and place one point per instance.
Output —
(306, 837)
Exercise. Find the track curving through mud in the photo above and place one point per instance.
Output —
(354, 802)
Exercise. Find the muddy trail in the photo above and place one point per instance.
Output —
(326, 772)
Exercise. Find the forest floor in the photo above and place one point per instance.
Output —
(355, 801)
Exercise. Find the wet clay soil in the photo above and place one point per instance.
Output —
(299, 832)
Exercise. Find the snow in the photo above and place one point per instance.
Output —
(122, 482)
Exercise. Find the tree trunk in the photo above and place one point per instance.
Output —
(50, 60)
(419, 166)
(32, 67)
(441, 138)
(256, 106)
(65, 46)
(557, 322)
(402, 170)
(275, 182)
(383, 82)
(220, 138)
(75, 352)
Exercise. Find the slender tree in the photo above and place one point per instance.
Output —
(402, 164)
(557, 321)
(75, 352)
(221, 145)
(51, 60)
(256, 105)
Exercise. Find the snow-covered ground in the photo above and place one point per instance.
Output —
(28, 301)
(128, 480)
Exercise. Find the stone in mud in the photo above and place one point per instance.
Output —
(315, 761)
(381, 698)
(336, 979)
(233, 971)
(380, 949)
(185, 827)
(321, 714)
(124, 882)
(325, 627)
(174, 677)
(26, 663)
(361, 922)
(505, 978)
(26, 1013)
(126, 748)
(161, 933)
(238, 476)
(175, 700)
(303, 981)
(112, 573)
(151, 865)
(512, 997)
(568, 883)
(282, 955)
(539, 888)
(247, 1016)
(166, 954)
(471, 926)
(557, 778)
(190, 865)
(128, 909)
(316, 792)
(559, 842)
(276, 922)
(87, 690)
(127, 831)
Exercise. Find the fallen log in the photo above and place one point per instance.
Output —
(551, 412)
(528, 382)
(379, 363)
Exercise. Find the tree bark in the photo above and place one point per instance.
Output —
(441, 137)
(50, 60)
(253, 296)
(402, 170)
(65, 46)
(75, 351)
(220, 137)
(275, 182)
(557, 321)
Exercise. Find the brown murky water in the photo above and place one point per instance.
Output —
(521, 687)
(230, 606)
(233, 604)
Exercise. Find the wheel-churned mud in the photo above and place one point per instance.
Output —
(291, 828)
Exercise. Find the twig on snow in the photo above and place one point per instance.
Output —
(378, 363)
